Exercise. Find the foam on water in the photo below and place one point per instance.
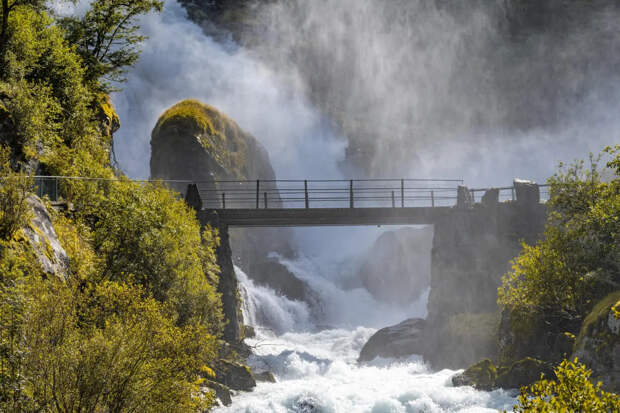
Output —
(317, 372)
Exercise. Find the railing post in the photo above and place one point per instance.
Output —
(402, 193)
(265, 193)
(56, 189)
(257, 192)
(351, 204)
(223, 200)
(306, 194)
(473, 196)
(393, 200)
(433, 199)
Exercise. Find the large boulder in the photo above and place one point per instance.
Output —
(400, 340)
(235, 376)
(196, 142)
(397, 267)
(598, 343)
(481, 375)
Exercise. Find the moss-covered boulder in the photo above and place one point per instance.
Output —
(598, 343)
(196, 142)
(523, 373)
(481, 375)
(265, 376)
(234, 375)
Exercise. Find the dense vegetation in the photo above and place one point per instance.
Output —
(569, 278)
(135, 322)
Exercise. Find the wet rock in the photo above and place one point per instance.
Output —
(400, 340)
(265, 376)
(221, 391)
(235, 375)
(490, 197)
(598, 343)
(481, 375)
(523, 373)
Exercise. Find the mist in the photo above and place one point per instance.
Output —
(442, 89)
(178, 62)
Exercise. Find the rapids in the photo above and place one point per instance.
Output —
(317, 371)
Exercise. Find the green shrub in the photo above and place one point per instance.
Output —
(572, 391)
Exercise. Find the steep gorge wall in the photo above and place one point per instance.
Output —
(472, 250)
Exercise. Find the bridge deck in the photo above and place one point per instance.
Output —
(290, 217)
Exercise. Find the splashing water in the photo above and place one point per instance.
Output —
(317, 372)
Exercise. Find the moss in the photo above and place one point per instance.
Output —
(598, 316)
(523, 372)
(219, 135)
(481, 375)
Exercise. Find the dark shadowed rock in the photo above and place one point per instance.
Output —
(401, 340)
(234, 375)
(222, 392)
(397, 267)
(523, 373)
(481, 375)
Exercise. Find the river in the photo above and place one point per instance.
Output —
(317, 372)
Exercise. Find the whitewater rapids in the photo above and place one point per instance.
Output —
(317, 371)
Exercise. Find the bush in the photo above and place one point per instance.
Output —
(14, 189)
(572, 391)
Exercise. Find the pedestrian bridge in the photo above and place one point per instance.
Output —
(278, 203)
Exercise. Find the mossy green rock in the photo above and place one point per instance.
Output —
(598, 343)
(523, 373)
(222, 392)
(481, 376)
(235, 375)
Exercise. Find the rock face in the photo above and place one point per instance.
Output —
(44, 241)
(472, 250)
(397, 267)
(194, 141)
(598, 344)
(235, 376)
(400, 340)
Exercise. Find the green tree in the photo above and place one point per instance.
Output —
(108, 37)
(576, 263)
(14, 191)
(7, 7)
(572, 391)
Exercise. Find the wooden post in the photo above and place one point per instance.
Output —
(393, 200)
(306, 194)
(351, 204)
(265, 200)
(223, 200)
(402, 193)
(257, 192)
(433, 199)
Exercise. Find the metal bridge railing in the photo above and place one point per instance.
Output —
(358, 193)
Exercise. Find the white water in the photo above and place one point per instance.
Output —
(318, 372)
